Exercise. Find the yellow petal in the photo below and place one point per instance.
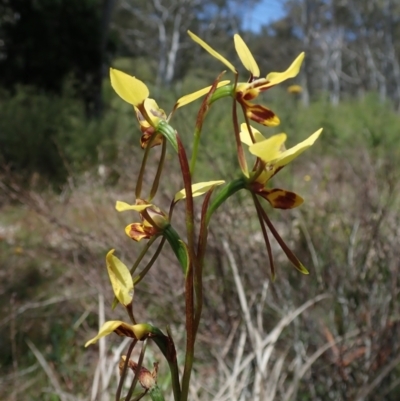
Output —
(282, 199)
(137, 331)
(245, 56)
(105, 330)
(288, 155)
(275, 78)
(154, 112)
(245, 135)
(123, 206)
(191, 97)
(269, 149)
(264, 177)
(129, 88)
(121, 279)
(205, 46)
(198, 189)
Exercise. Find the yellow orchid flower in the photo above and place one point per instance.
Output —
(273, 156)
(149, 124)
(154, 220)
(148, 113)
(136, 331)
(247, 91)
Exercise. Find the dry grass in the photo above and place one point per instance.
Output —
(332, 335)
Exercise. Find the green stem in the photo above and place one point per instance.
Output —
(168, 132)
(143, 252)
(137, 372)
(156, 181)
(189, 291)
(196, 143)
(227, 191)
(239, 148)
(129, 309)
(139, 181)
(190, 333)
(224, 91)
(140, 276)
(173, 367)
(201, 115)
(177, 246)
(156, 394)
(201, 248)
(125, 368)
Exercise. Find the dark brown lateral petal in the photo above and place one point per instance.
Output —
(261, 114)
(281, 199)
(125, 330)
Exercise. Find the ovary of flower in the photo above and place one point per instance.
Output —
(271, 152)
(246, 91)
(198, 189)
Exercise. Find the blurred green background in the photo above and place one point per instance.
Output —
(69, 148)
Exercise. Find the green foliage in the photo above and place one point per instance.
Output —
(49, 135)
(354, 254)
(367, 120)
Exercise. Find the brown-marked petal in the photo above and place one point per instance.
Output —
(261, 114)
(281, 199)
(138, 231)
(121, 328)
